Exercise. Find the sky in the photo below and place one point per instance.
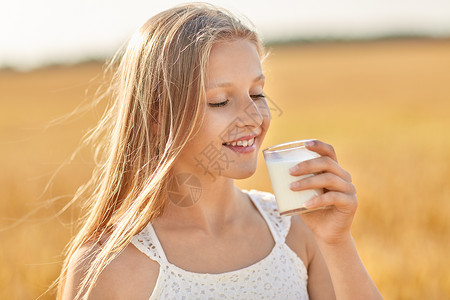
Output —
(36, 33)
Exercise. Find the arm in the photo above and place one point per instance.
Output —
(331, 226)
(78, 267)
(130, 275)
(349, 276)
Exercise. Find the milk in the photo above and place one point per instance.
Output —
(278, 164)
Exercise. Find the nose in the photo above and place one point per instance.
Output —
(253, 113)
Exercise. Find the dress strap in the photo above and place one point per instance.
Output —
(267, 205)
(148, 243)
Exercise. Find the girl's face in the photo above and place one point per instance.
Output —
(236, 115)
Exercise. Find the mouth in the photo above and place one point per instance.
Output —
(245, 144)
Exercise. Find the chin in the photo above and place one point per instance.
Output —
(242, 173)
(243, 176)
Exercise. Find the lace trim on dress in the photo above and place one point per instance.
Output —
(148, 243)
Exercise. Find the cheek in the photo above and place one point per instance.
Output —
(213, 128)
(220, 122)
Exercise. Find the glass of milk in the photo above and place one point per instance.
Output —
(279, 159)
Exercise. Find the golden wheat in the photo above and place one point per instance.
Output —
(383, 105)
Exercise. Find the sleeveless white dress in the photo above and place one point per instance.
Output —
(280, 275)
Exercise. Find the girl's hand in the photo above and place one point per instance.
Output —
(330, 225)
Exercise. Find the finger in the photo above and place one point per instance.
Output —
(320, 165)
(328, 181)
(321, 148)
(342, 201)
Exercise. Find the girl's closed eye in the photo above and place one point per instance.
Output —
(219, 104)
(258, 97)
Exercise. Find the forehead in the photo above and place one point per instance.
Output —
(233, 61)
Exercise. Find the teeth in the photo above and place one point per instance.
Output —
(245, 143)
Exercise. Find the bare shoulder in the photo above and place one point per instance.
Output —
(130, 275)
(301, 240)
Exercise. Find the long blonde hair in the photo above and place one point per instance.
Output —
(156, 92)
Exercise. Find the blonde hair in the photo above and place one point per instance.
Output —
(157, 91)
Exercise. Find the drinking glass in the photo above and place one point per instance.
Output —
(279, 159)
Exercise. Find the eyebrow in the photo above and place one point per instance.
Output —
(228, 84)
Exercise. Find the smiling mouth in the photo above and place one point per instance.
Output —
(241, 143)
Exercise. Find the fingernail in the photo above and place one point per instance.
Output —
(309, 203)
(294, 184)
(293, 169)
(309, 143)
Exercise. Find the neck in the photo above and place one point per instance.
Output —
(203, 204)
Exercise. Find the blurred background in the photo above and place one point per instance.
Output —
(369, 77)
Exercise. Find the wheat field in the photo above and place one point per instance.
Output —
(383, 105)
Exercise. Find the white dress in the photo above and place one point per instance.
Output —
(280, 275)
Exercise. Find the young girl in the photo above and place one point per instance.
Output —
(165, 219)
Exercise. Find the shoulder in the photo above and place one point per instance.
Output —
(301, 240)
(130, 275)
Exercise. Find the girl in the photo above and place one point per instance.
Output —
(165, 219)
